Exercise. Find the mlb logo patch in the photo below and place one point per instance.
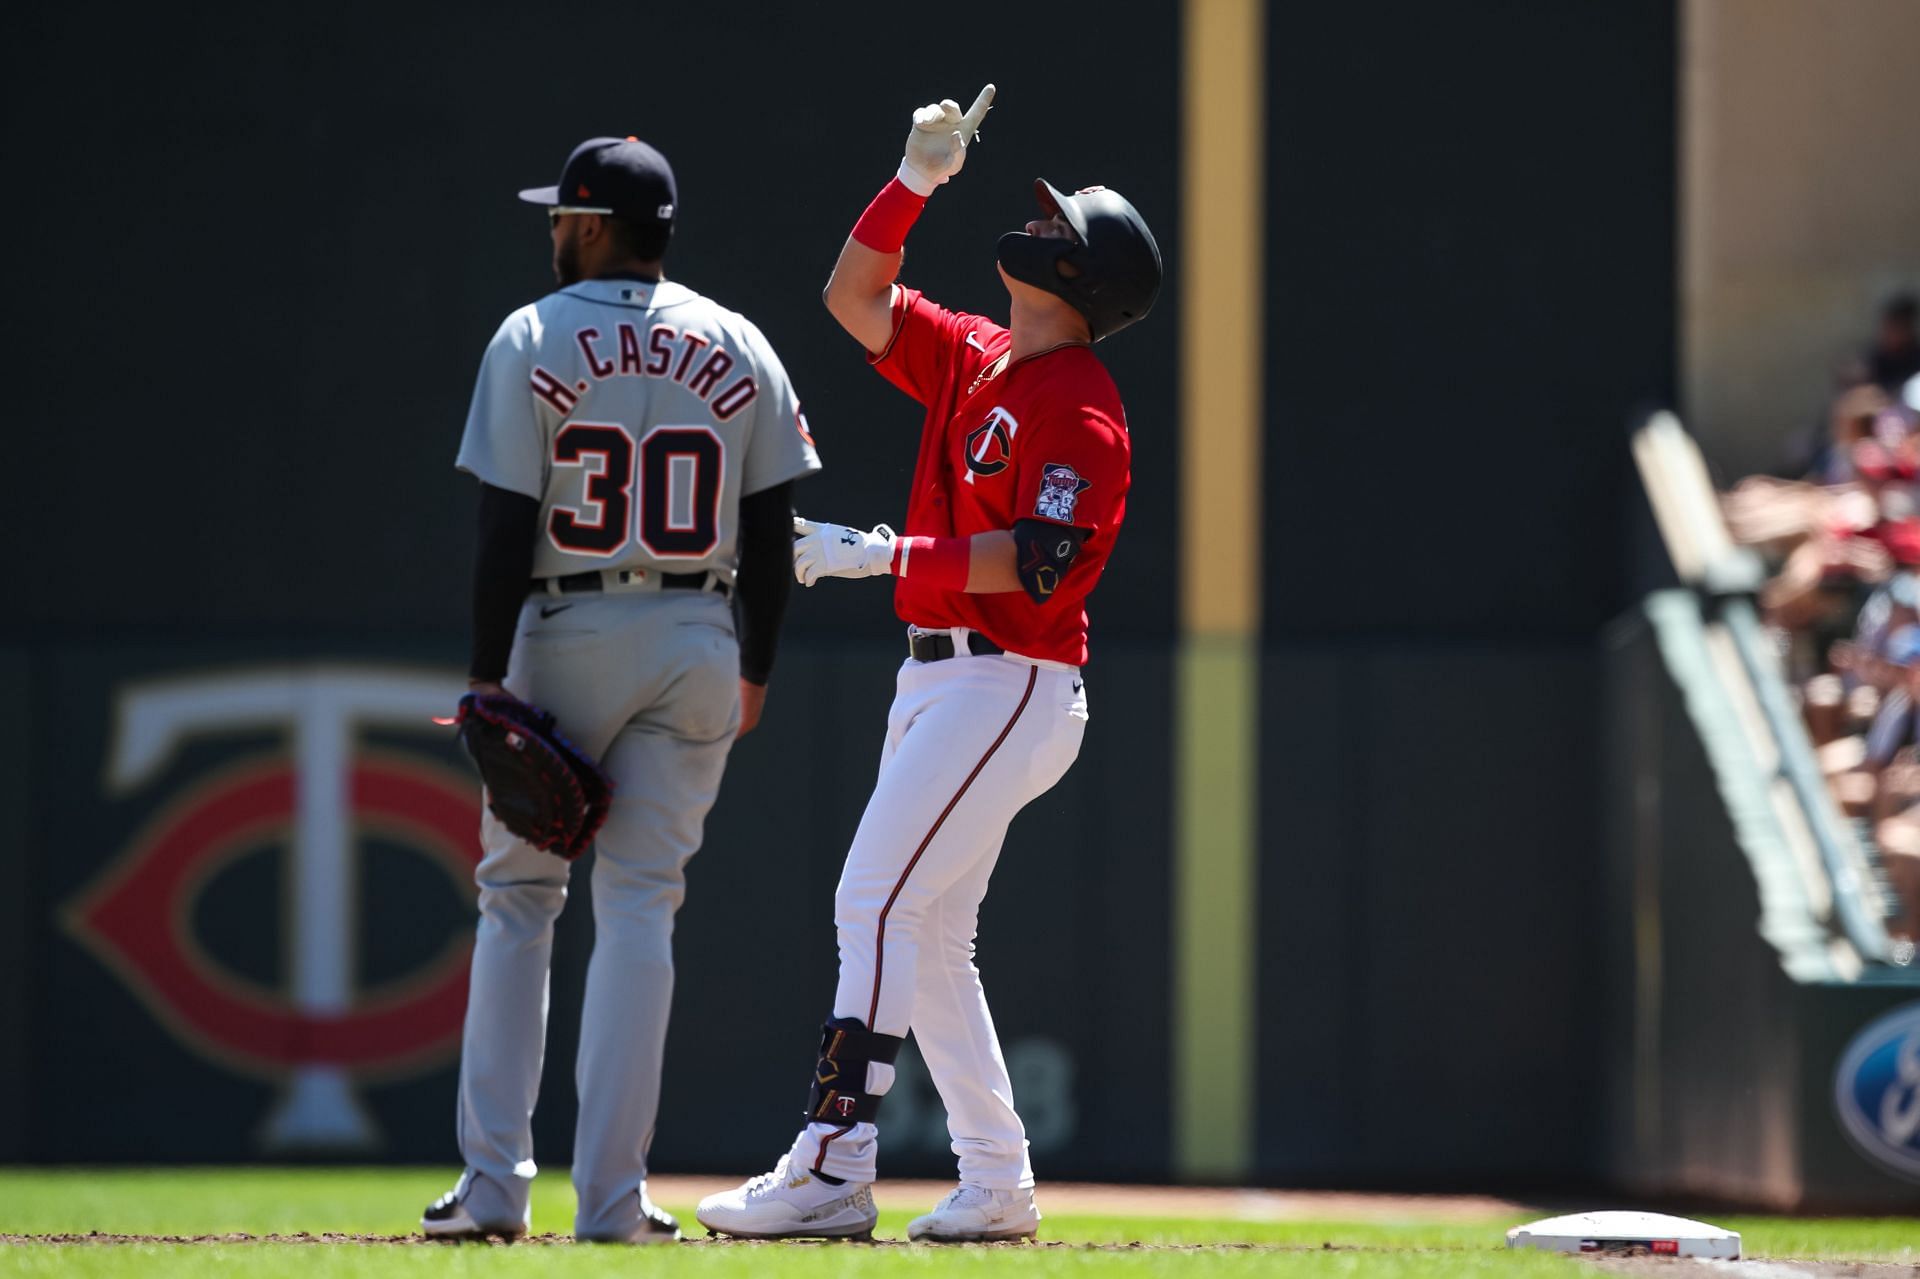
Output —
(1060, 490)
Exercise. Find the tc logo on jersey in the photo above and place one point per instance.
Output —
(1060, 490)
(990, 445)
(324, 812)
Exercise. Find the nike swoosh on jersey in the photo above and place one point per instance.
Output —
(546, 612)
(974, 342)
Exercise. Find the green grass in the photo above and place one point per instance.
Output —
(195, 1201)
(1829, 1238)
(787, 1262)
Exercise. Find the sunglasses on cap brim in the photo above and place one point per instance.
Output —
(559, 211)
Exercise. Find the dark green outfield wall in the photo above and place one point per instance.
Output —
(1470, 287)
(259, 256)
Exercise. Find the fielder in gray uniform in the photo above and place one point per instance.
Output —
(635, 445)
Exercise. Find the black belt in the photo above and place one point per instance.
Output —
(576, 583)
(938, 647)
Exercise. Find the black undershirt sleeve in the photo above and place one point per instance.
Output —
(766, 576)
(502, 575)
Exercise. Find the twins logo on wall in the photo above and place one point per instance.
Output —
(315, 800)
(1876, 1091)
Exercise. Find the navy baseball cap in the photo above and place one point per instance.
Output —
(621, 176)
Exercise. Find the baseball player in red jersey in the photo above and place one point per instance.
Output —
(1018, 496)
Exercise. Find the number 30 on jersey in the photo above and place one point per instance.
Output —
(678, 471)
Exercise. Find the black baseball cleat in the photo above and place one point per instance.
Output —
(449, 1219)
(659, 1220)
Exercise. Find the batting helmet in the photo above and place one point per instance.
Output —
(1114, 257)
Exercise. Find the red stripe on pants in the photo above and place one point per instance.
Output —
(880, 935)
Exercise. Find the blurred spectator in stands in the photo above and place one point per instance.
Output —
(1887, 465)
(1893, 604)
(1818, 589)
(1851, 537)
(1849, 420)
(1775, 515)
(1862, 385)
(1846, 547)
(1840, 704)
(1844, 602)
(1833, 722)
(1891, 757)
(1895, 354)
(1894, 726)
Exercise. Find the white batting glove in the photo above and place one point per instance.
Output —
(937, 145)
(834, 550)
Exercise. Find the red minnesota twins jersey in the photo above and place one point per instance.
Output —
(1042, 439)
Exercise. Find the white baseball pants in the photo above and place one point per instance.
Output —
(970, 741)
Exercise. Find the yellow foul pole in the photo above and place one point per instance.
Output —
(1221, 279)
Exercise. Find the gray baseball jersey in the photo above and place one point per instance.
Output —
(638, 414)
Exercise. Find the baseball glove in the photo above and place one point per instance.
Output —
(540, 786)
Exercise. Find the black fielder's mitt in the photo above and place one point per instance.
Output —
(540, 786)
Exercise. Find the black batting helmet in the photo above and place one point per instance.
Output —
(1113, 253)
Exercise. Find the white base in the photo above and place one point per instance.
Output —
(1618, 1231)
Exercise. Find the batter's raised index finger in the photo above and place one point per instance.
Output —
(970, 122)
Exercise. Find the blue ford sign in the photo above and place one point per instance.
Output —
(1876, 1091)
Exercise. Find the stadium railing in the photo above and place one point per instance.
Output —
(1822, 905)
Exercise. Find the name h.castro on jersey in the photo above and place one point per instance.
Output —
(638, 414)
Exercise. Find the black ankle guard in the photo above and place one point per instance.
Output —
(847, 1048)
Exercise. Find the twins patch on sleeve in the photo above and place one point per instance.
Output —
(1060, 490)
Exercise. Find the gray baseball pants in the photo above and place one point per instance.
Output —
(648, 683)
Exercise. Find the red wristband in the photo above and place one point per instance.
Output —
(884, 226)
(939, 561)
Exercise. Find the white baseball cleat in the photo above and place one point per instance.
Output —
(791, 1203)
(975, 1214)
(448, 1218)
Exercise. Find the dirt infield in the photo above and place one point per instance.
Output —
(1167, 1201)
(1667, 1267)
(1059, 1197)
(692, 1241)
(567, 1241)
(1070, 1199)
(1681, 1268)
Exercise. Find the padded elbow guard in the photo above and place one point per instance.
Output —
(1043, 553)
